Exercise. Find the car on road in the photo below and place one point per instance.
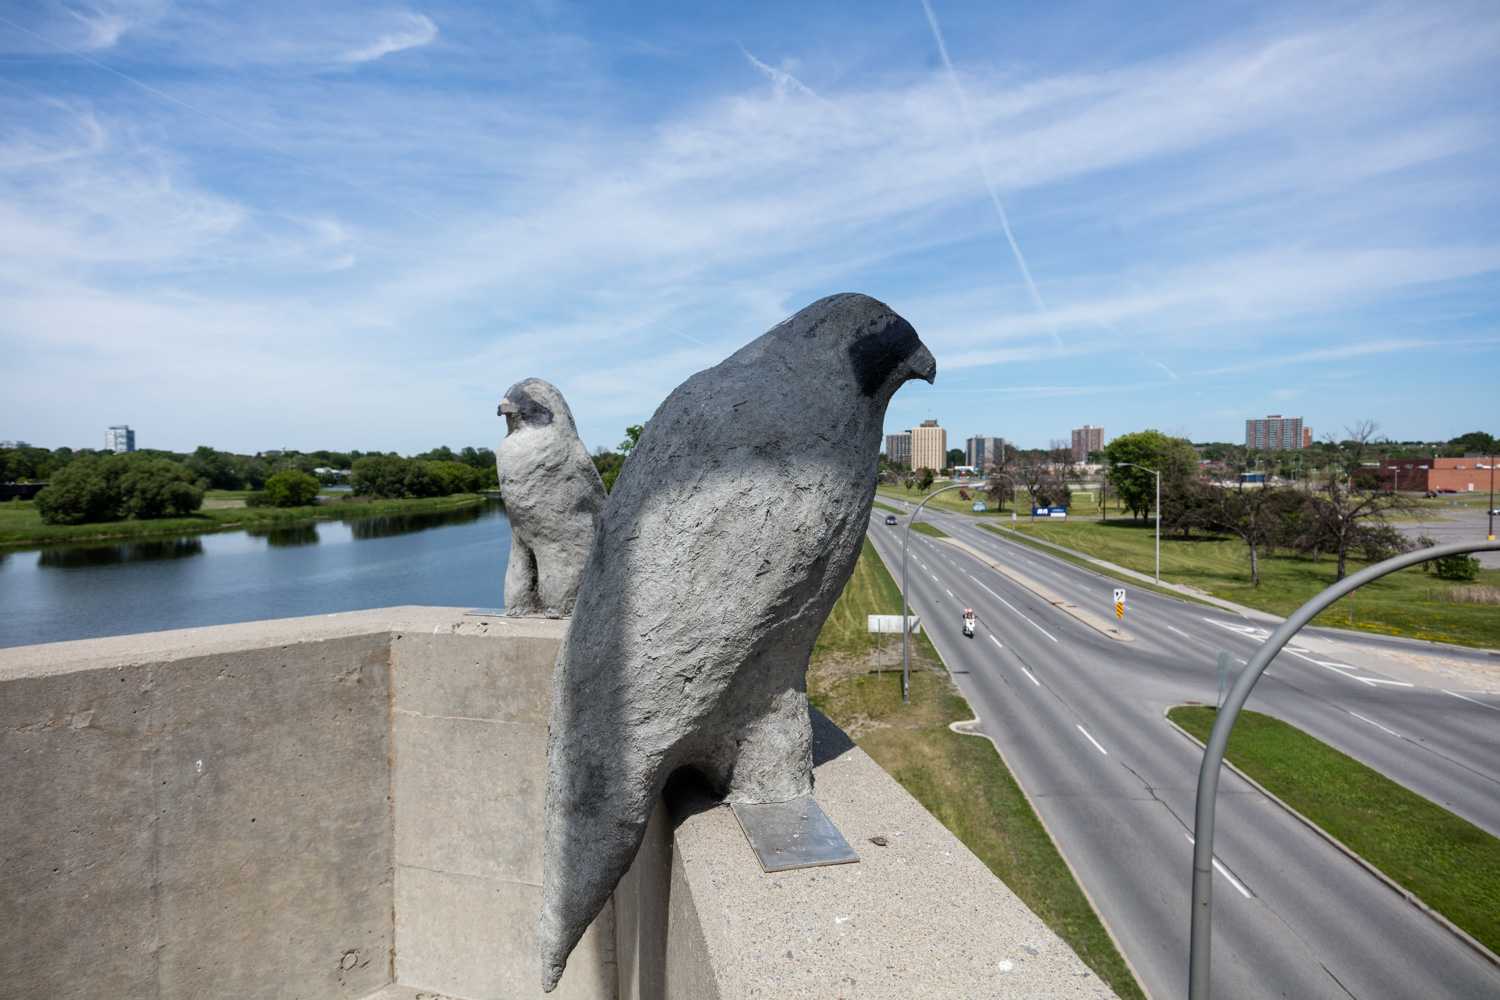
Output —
(890, 519)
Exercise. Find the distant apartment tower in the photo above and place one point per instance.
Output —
(983, 452)
(898, 448)
(119, 439)
(1086, 439)
(929, 446)
(1277, 433)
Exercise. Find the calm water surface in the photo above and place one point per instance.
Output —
(80, 591)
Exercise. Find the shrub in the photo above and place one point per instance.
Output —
(1455, 567)
(291, 489)
(92, 490)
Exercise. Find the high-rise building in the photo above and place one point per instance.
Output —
(898, 448)
(119, 439)
(1086, 439)
(929, 446)
(983, 452)
(1276, 433)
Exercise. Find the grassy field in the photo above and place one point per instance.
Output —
(20, 524)
(1408, 603)
(1448, 862)
(959, 779)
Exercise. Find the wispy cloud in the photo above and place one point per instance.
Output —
(1227, 204)
(414, 31)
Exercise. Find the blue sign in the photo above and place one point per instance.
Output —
(979, 505)
(1049, 512)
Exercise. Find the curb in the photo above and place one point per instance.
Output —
(1389, 882)
(1062, 604)
(967, 729)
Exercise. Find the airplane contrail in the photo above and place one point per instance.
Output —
(984, 168)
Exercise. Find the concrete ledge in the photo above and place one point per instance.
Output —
(349, 806)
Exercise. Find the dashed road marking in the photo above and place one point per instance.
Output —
(1085, 732)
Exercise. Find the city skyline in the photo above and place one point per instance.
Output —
(352, 227)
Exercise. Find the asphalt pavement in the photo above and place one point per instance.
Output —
(1079, 718)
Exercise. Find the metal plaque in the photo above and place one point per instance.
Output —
(795, 834)
(486, 612)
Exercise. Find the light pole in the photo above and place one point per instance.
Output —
(905, 618)
(1119, 465)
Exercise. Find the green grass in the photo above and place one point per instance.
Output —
(1406, 603)
(1448, 862)
(20, 524)
(959, 779)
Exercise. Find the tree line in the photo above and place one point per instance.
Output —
(89, 486)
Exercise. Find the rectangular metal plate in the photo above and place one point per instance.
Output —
(487, 612)
(795, 834)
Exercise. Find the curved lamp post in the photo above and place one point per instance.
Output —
(905, 617)
(1218, 741)
(1119, 465)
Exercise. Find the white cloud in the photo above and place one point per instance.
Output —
(415, 31)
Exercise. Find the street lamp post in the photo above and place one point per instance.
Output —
(1119, 465)
(906, 618)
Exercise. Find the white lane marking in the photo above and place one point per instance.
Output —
(947, 591)
(1377, 725)
(1224, 871)
(1019, 612)
(997, 642)
(1343, 669)
(1033, 679)
(1085, 732)
(1481, 704)
(1180, 632)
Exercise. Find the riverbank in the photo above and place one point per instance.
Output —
(21, 525)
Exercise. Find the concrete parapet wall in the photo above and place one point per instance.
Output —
(320, 807)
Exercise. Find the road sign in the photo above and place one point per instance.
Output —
(1226, 664)
(1119, 602)
(892, 623)
(979, 505)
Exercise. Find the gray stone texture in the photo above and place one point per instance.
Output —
(729, 534)
(553, 497)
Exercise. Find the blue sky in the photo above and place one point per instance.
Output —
(354, 225)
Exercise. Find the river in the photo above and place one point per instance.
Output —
(84, 590)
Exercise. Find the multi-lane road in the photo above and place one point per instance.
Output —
(1079, 718)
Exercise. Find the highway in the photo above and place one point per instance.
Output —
(1079, 718)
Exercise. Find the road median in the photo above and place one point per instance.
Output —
(1093, 621)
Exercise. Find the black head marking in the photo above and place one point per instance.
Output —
(885, 342)
(529, 410)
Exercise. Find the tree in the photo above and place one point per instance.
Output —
(1474, 441)
(453, 477)
(1252, 511)
(608, 464)
(392, 477)
(158, 488)
(93, 490)
(1339, 507)
(1135, 488)
(86, 492)
(291, 489)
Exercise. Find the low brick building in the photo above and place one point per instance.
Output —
(1428, 475)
